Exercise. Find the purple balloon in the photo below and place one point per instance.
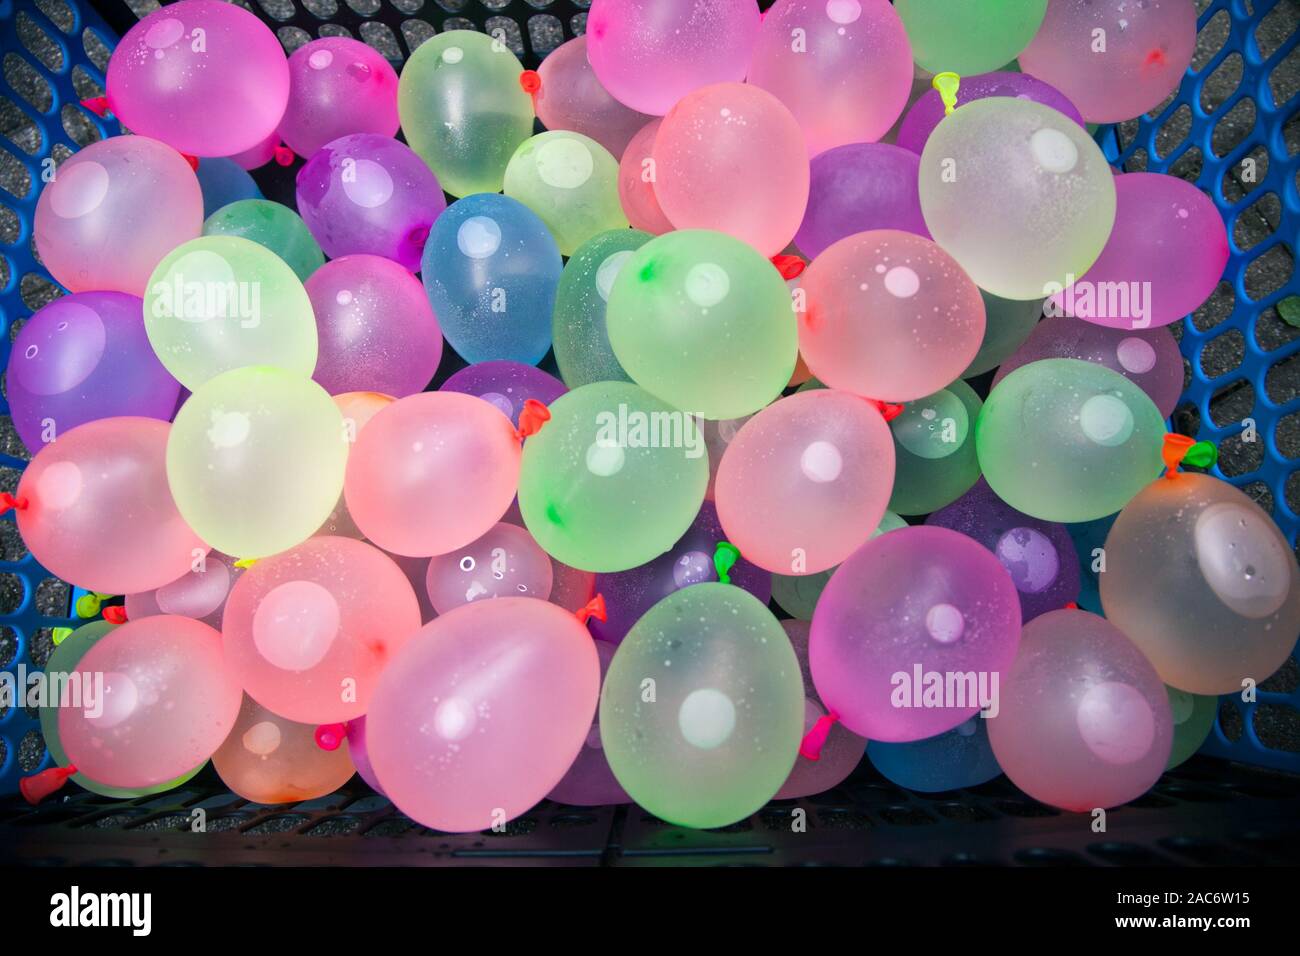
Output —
(360, 758)
(82, 358)
(1039, 555)
(629, 594)
(858, 188)
(369, 193)
(507, 385)
(925, 115)
(200, 594)
(590, 782)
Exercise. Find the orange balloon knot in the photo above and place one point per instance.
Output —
(115, 614)
(530, 81)
(532, 418)
(593, 608)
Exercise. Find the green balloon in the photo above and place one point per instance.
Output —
(1008, 323)
(463, 110)
(704, 322)
(614, 479)
(965, 37)
(63, 660)
(1070, 441)
(571, 182)
(934, 450)
(798, 594)
(702, 709)
(581, 342)
(272, 225)
(1193, 716)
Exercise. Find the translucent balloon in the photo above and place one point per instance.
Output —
(505, 562)
(721, 735)
(614, 479)
(431, 473)
(730, 157)
(843, 67)
(858, 188)
(636, 189)
(649, 55)
(1018, 194)
(490, 269)
(223, 181)
(1193, 718)
(798, 594)
(156, 700)
(337, 86)
(81, 358)
(220, 303)
(806, 480)
(1204, 583)
(702, 321)
(506, 385)
(913, 634)
(1164, 257)
(889, 315)
(269, 760)
(369, 193)
(842, 751)
(256, 459)
(208, 78)
(572, 98)
(269, 224)
(199, 593)
(934, 450)
(94, 509)
(1039, 555)
(377, 331)
(952, 760)
(1148, 48)
(463, 109)
(1065, 440)
(1007, 323)
(1085, 720)
(581, 340)
(97, 226)
(258, 155)
(360, 755)
(966, 37)
(358, 408)
(692, 560)
(482, 713)
(1149, 358)
(590, 782)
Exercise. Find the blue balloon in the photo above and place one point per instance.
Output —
(957, 758)
(1089, 538)
(491, 268)
(222, 182)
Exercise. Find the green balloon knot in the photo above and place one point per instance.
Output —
(724, 559)
(60, 634)
(1203, 454)
(88, 605)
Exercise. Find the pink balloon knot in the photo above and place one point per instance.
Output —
(593, 608)
(790, 267)
(9, 502)
(815, 739)
(530, 81)
(40, 785)
(330, 736)
(532, 418)
(888, 410)
(115, 614)
(283, 155)
(97, 105)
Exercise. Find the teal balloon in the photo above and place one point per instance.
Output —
(934, 450)
(272, 225)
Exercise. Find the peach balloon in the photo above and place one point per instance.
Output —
(357, 408)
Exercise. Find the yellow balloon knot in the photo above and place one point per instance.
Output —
(947, 84)
(246, 563)
(88, 605)
(60, 634)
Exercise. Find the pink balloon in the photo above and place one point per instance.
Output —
(360, 755)
(432, 472)
(590, 782)
(479, 717)
(307, 631)
(889, 315)
(636, 189)
(217, 97)
(730, 157)
(505, 562)
(572, 98)
(337, 86)
(199, 593)
(156, 700)
(259, 155)
(95, 509)
(914, 634)
(97, 226)
(805, 481)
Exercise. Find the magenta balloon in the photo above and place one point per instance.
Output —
(1165, 255)
(431, 473)
(481, 715)
(337, 86)
(572, 98)
(505, 562)
(199, 593)
(96, 510)
(376, 329)
(164, 701)
(805, 481)
(1149, 358)
(360, 755)
(506, 385)
(913, 608)
(307, 631)
(926, 113)
(636, 190)
(206, 77)
(259, 155)
(97, 225)
(81, 358)
(369, 193)
(858, 188)
(590, 782)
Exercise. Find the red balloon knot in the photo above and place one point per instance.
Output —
(530, 81)
(532, 418)
(790, 267)
(593, 608)
(115, 614)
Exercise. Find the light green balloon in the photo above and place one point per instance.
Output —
(463, 110)
(269, 224)
(581, 342)
(255, 460)
(968, 37)
(720, 734)
(571, 182)
(704, 322)
(1008, 323)
(934, 450)
(63, 661)
(1070, 441)
(221, 302)
(798, 594)
(614, 479)
(1193, 716)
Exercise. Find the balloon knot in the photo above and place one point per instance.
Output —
(98, 105)
(88, 605)
(245, 563)
(725, 557)
(532, 418)
(888, 410)
(790, 267)
(815, 739)
(282, 155)
(1181, 450)
(947, 84)
(593, 608)
(115, 614)
(331, 736)
(192, 160)
(1071, 606)
(40, 785)
(9, 503)
(60, 634)
(530, 81)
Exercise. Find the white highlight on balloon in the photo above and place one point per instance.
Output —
(1054, 151)
(706, 718)
(707, 284)
(821, 462)
(1106, 420)
(564, 163)
(478, 237)
(945, 623)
